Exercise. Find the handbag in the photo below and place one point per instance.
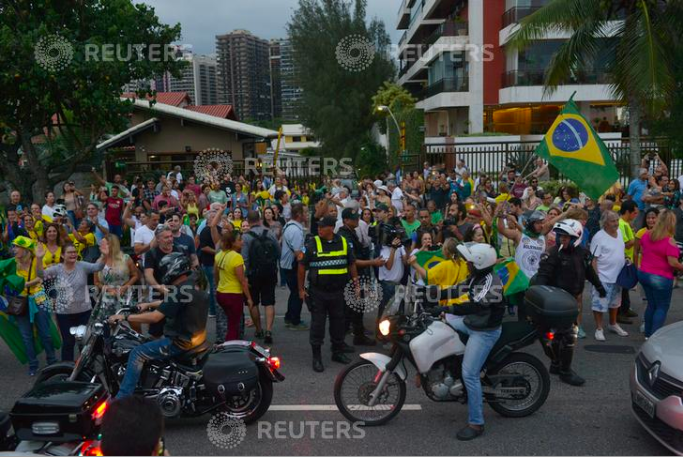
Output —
(628, 276)
(18, 305)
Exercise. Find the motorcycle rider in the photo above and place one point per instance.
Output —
(186, 310)
(481, 318)
(567, 266)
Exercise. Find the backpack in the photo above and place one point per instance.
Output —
(263, 257)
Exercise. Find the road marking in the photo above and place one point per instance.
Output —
(409, 407)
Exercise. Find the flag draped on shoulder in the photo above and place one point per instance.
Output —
(572, 146)
(514, 280)
(428, 259)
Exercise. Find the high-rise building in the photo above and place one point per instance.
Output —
(244, 74)
(454, 56)
(275, 79)
(198, 79)
(291, 92)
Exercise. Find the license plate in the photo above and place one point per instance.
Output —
(645, 404)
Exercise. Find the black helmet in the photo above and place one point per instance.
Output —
(535, 216)
(173, 266)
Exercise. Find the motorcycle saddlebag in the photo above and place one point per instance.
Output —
(228, 374)
(551, 306)
(59, 412)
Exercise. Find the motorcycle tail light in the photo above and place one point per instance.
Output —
(100, 410)
(91, 448)
(549, 336)
(274, 363)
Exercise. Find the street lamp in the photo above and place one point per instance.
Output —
(383, 108)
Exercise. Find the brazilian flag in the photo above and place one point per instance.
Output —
(428, 259)
(572, 146)
(514, 280)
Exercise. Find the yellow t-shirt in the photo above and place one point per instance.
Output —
(226, 263)
(502, 198)
(50, 258)
(237, 223)
(639, 236)
(89, 241)
(448, 274)
(627, 235)
(24, 274)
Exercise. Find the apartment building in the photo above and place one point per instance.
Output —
(243, 74)
(454, 58)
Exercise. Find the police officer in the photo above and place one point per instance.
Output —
(329, 260)
(361, 253)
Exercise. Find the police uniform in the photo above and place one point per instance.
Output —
(355, 318)
(328, 265)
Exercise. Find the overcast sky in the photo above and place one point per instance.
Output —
(202, 20)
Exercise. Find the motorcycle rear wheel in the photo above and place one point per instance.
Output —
(536, 379)
(352, 400)
(258, 402)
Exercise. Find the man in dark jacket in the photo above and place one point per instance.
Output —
(567, 266)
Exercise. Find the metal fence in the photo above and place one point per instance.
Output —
(492, 157)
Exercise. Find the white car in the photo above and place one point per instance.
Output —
(657, 386)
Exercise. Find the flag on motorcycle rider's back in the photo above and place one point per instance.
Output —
(572, 146)
(514, 280)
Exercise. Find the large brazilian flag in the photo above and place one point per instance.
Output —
(572, 146)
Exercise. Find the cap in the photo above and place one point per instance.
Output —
(382, 207)
(350, 213)
(328, 221)
(384, 188)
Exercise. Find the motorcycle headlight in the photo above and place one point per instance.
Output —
(384, 327)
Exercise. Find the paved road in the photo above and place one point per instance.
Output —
(592, 420)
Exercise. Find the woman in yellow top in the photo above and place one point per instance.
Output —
(83, 237)
(444, 274)
(30, 227)
(39, 219)
(189, 202)
(231, 282)
(650, 221)
(237, 218)
(37, 313)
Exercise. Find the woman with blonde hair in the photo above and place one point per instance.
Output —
(116, 279)
(659, 261)
(445, 274)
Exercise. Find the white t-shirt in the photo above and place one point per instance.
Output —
(397, 269)
(274, 189)
(47, 211)
(414, 276)
(609, 253)
(143, 236)
(397, 199)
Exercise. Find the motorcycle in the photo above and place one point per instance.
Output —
(235, 377)
(373, 390)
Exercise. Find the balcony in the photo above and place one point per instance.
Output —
(537, 77)
(447, 29)
(517, 13)
(403, 18)
(460, 84)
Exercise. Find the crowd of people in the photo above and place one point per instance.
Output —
(248, 237)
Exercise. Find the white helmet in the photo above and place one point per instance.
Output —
(60, 210)
(570, 227)
(481, 255)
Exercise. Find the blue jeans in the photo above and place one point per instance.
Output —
(116, 230)
(477, 350)
(658, 290)
(42, 322)
(154, 350)
(388, 291)
(208, 271)
(294, 303)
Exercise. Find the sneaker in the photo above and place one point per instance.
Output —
(258, 335)
(581, 333)
(600, 335)
(268, 339)
(212, 316)
(642, 327)
(617, 329)
(624, 319)
(631, 313)
(32, 371)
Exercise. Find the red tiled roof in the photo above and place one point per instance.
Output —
(222, 111)
(167, 98)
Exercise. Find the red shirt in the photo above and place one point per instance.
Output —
(113, 211)
(194, 188)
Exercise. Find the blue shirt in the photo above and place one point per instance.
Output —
(292, 240)
(636, 190)
(98, 233)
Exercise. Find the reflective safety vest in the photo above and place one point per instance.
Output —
(332, 262)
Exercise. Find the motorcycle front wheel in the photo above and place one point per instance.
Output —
(352, 390)
(530, 374)
(251, 406)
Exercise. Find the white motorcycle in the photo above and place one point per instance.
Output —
(373, 390)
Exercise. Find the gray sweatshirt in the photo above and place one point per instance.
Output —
(72, 286)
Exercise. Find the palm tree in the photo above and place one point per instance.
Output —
(639, 57)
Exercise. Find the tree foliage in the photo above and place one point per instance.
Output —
(72, 107)
(336, 102)
(394, 96)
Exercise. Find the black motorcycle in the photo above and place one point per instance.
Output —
(514, 384)
(235, 377)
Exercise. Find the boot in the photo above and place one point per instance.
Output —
(318, 366)
(567, 375)
(554, 368)
(340, 357)
(362, 340)
(347, 349)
